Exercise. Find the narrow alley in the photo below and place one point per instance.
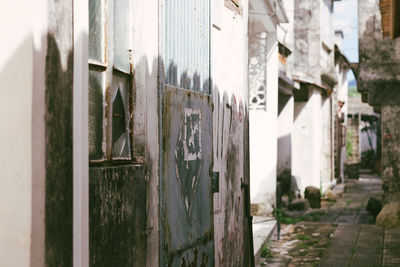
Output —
(199, 133)
(341, 233)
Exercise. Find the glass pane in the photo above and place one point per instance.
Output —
(96, 89)
(120, 118)
(96, 30)
(121, 35)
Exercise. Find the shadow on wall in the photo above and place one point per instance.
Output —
(22, 171)
(284, 154)
(264, 208)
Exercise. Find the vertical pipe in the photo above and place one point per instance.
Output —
(162, 66)
(80, 136)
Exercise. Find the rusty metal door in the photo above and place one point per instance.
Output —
(186, 168)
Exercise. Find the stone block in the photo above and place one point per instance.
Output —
(374, 206)
(389, 215)
(353, 171)
(330, 195)
(298, 204)
(313, 195)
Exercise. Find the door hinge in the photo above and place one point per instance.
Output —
(215, 182)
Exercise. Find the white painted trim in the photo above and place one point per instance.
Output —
(80, 136)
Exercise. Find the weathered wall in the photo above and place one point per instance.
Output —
(307, 45)
(379, 58)
(353, 137)
(379, 82)
(146, 108)
(306, 165)
(118, 216)
(59, 78)
(313, 35)
(285, 30)
(390, 152)
(124, 202)
(229, 48)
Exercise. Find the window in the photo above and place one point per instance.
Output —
(110, 75)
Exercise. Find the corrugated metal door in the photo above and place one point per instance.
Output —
(187, 136)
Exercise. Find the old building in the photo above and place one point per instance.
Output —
(128, 140)
(378, 81)
(340, 108)
(263, 101)
(313, 105)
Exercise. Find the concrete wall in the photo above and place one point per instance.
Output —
(229, 72)
(306, 165)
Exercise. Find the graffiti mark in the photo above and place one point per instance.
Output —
(188, 156)
(192, 138)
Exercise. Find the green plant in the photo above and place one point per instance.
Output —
(353, 92)
(284, 218)
(303, 237)
(303, 245)
(349, 144)
(266, 252)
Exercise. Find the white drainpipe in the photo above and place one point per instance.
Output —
(80, 136)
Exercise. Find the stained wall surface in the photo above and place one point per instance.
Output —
(230, 138)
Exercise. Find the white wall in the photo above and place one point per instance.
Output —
(306, 157)
(16, 167)
(327, 180)
(263, 137)
(229, 74)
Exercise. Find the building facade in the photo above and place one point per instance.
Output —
(378, 82)
(132, 129)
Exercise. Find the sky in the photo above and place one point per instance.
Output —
(345, 18)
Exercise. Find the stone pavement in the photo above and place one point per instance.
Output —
(341, 233)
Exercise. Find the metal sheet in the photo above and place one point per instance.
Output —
(187, 178)
(187, 44)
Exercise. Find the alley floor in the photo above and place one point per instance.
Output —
(340, 233)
